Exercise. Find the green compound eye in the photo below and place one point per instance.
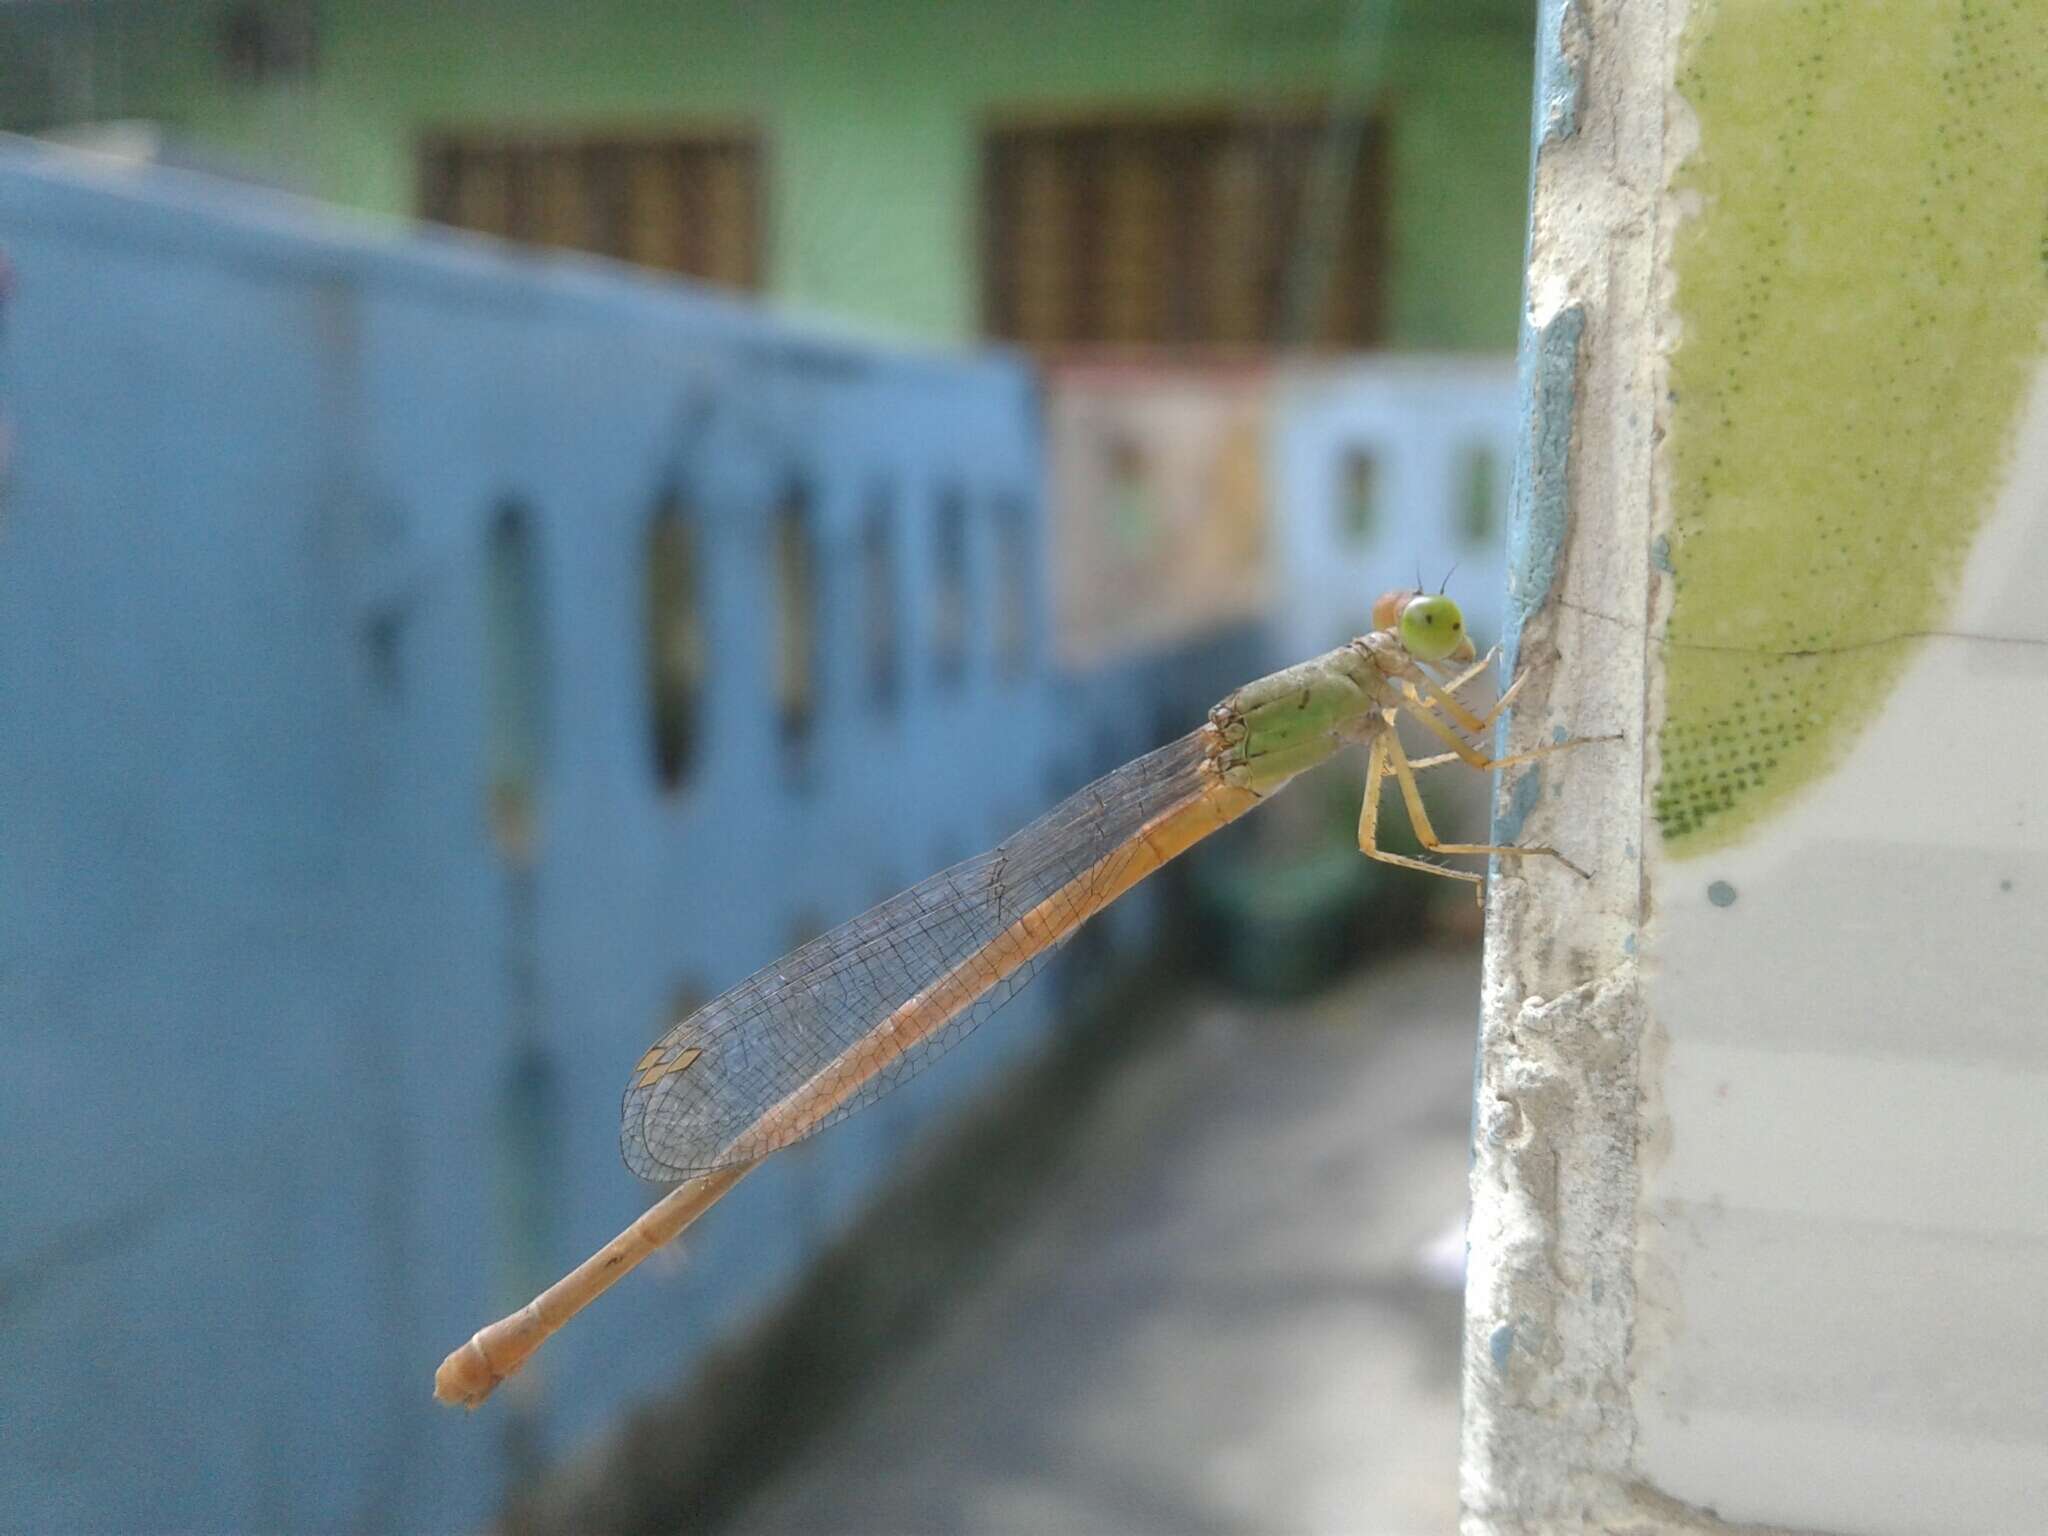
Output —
(1432, 627)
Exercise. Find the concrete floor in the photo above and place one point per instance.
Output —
(1224, 1324)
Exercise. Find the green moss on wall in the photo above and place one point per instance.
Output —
(1861, 297)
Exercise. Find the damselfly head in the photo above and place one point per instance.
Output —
(1432, 628)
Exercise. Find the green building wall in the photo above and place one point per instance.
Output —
(871, 113)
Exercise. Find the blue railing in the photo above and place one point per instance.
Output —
(423, 668)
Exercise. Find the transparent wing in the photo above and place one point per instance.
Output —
(706, 1095)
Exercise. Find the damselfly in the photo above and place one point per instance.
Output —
(835, 1024)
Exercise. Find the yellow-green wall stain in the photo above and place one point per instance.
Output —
(1861, 294)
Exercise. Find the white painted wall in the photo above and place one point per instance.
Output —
(1842, 1250)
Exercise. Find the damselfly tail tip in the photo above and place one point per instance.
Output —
(465, 1378)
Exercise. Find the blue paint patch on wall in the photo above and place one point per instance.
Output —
(1500, 1344)
(1546, 357)
(1546, 366)
(1560, 78)
(1541, 506)
(1546, 384)
(1523, 797)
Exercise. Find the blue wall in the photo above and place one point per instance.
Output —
(303, 1072)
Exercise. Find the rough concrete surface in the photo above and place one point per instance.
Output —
(1550, 1307)
(1223, 1325)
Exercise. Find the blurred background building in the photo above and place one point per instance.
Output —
(432, 664)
